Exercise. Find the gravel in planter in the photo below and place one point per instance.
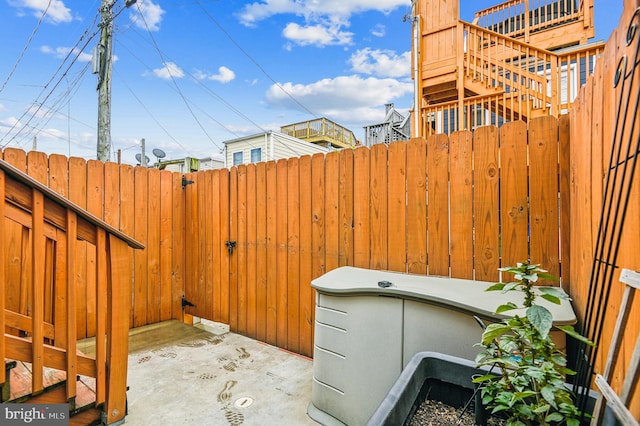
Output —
(436, 413)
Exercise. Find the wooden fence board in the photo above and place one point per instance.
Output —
(485, 202)
(153, 248)
(240, 252)
(78, 195)
(140, 256)
(438, 204)
(461, 196)
(417, 206)
(361, 207)
(306, 300)
(127, 210)
(111, 203)
(233, 258)
(543, 154)
(514, 193)
(206, 255)
(293, 254)
(37, 166)
(252, 263)
(318, 215)
(272, 252)
(564, 147)
(166, 245)
(217, 245)
(331, 211)
(379, 212)
(225, 230)
(3, 269)
(397, 206)
(95, 198)
(16, 157)
(262, 264)
(345, 207)
(281, 254)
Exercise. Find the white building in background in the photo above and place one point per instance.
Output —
(267, 146)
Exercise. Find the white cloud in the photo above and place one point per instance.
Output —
(10, 122)
(379, 30)
(62, 52)
(258, 11)
(2, 108)
(224, 75)
(169, 70)
(346, 97)
(56, 11)
(146, 15)
(324, 21)
(316, 35)
(383, 63)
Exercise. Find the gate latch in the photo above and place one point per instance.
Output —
(230, 245)
(186, 303)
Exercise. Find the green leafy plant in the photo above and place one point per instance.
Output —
(530, 387)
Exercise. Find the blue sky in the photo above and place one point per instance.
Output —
(190, 74)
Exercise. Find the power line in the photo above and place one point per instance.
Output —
(173, 79)
(254, 61)
(24, 49)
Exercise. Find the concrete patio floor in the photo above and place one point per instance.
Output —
(205, 375)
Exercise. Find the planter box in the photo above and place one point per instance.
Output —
(449, 381)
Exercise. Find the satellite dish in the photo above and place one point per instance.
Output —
(139, 158)
(159, 153)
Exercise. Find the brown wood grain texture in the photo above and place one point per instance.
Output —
(95, 204)
(461, 204)
(103, 282)
(514, 193)
(485, 202)
(240, 251)
(293, 255)
(281, 254)
(378, 207)
(397, 206)
(262, 248)
(128, 211)
(361, 208)
(119, 304)
(543, 154)
(564, 148)
(166, 245)
(37, 289)
(225, 264)
(331, 211)
(306, 301)
(216, 246)
(205, 287)
(345, 207)
(272, 252)
(78, 195)
(153, 248)
(71, 301)
(233, 257)
(140, 272)
(438, 204)
(417, 206)
(252, 261)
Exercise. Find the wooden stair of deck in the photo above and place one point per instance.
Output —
(19, 390)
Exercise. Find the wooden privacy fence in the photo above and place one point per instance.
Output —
(459, 206)
(38, 305)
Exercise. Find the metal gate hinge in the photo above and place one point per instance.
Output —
(230, 245)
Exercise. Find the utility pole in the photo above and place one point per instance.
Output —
(104, 80)
(104, 77)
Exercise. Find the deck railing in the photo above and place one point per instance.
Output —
(321, 129)
(40, 327)
(518, 18)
